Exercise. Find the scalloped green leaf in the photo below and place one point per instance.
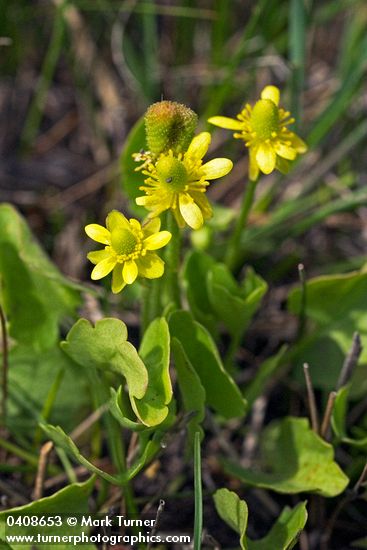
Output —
(152, 409)
(221, 299)
(285, 532)
(294, 460)
(105, 346)
(35, 295)
(72, 500)
(282, 536)
(233, 511)
(234, 304)
(222, 393)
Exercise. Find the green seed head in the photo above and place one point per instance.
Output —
(265, 118)
(172, 173)
(169, 125)
(123, 241)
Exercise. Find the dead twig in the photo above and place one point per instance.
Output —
(311, 399)
(56, 133)
(41, 471)
(158, 515)
(350, 362)
(302, 313)
(252, 438)
(88, 422)
(327, 415)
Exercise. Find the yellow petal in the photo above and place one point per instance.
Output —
(285, 151)
(154, 204)
(151, 266)
(253, 167)
(130, 272)
(216, 168)
(98, 233)
(272, 93)
(151, 226)
(116, 220)
(298, 144)
(135, 224)
(118, 282)
(226, 122)
(153, 242)
(141, 200)
(97, 256)
(199, 145)
(190, 211)
(265, 158)
(179, 219)
(103, 268)
(203, 204)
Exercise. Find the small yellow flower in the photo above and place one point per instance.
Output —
(263, 128)
(179, 183)
(128, 251)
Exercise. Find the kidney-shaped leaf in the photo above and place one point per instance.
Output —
(154, 350)
(296, 460)
(105, 346)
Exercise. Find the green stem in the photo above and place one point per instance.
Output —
(198, 525)
(5, 353)
(151, 303)
(47, 407)
(235, 240)
(232, 350)
(173, 262)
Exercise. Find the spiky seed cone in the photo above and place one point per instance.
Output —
(169, 125)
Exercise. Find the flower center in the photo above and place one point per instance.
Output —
(265, 118)
(123, 241)
(172, 173)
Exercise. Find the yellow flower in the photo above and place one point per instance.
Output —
(263, 128)
(179, 183)
(128, 251)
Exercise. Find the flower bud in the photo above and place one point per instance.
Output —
(169, 125)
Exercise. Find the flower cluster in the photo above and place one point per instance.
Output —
(177, 180)
(129, 249)
(264, 129)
